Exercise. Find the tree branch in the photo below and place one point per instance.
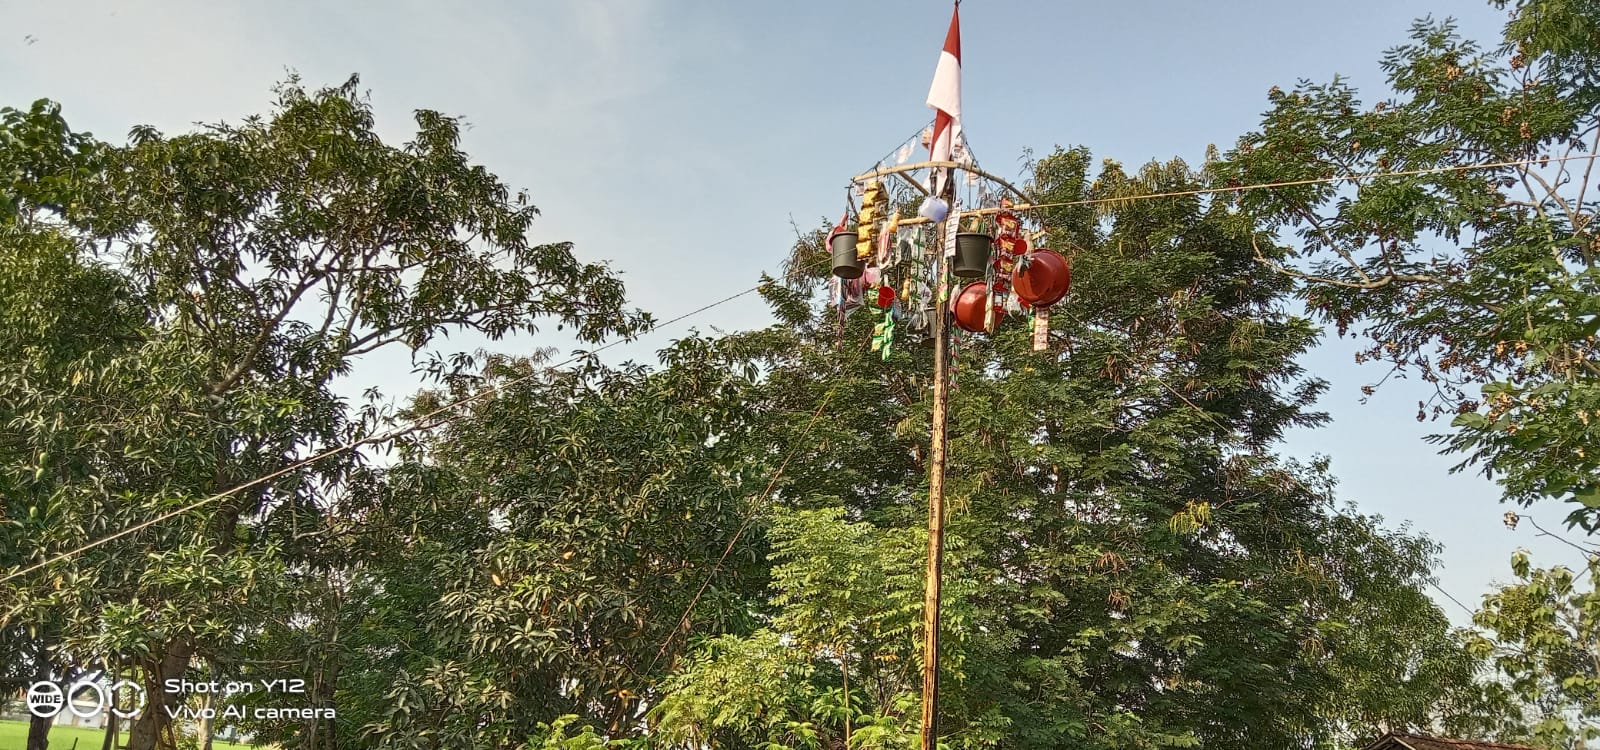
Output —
(1583, 189)
(1315, 222)
(260, 342)
(1370, 283)
(372, 342)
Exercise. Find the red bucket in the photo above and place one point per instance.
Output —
(1046, 279)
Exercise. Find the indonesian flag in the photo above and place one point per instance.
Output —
(945, 99)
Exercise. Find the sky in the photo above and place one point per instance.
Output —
(678, 139)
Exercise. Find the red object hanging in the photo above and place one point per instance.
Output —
(1012, 244)
(968, 306)
(885, 296)
(1010, 247)
(1045, 281)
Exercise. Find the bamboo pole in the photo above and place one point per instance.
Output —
(934, 584)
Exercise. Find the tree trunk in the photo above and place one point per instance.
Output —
(113, 723)
(112, 726)
(39, 732)
(207, 725)
(39, 728)
(204, 725)
(321, 730)
(147, 729)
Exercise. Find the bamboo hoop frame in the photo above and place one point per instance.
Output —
(903, 169)
(962, 166)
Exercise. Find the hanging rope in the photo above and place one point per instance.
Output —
(1269, 185)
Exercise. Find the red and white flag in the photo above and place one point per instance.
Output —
(945, 99)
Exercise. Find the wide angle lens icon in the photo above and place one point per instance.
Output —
(46, 699)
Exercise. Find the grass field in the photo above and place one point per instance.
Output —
(14, 736)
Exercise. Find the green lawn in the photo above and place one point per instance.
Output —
(14, 736)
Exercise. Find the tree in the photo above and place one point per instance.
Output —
(267, 257)
(566, 524)
(50, 409)
(1543, 636)
(1473, 277)
(838, 664)
(1130, 564)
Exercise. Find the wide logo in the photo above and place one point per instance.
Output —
(46, 699)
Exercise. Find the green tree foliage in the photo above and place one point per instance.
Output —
(724, 549)
(52, 361)
(41, 159)
(1542, 633)
(565, 526)
(840, 656)
(1129, 562)
(1476, 279)
(264, 258)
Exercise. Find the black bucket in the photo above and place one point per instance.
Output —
(972, 255)
(845, 263)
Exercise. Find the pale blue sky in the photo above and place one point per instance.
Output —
(677, 139)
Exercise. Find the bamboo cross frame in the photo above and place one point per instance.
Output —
(904, 168)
